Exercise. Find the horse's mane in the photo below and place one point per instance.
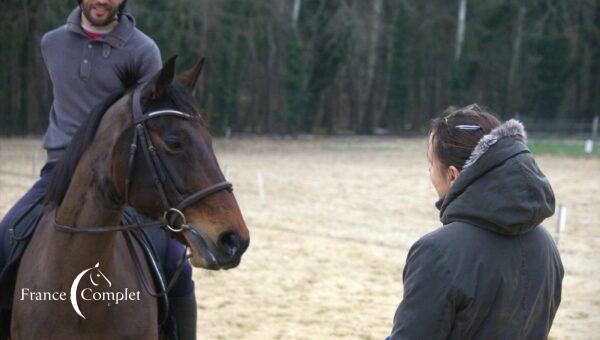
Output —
(178, 93)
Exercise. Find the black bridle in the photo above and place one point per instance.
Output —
(173, 211)
(160, 175)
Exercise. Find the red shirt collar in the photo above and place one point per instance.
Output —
(92, 35)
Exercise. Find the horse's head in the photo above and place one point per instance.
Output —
(215, 229)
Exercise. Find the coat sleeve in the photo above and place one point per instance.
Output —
(428, 308)
(149, 62)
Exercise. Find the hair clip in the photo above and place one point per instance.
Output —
(468, 127)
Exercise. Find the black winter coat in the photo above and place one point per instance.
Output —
(491, 271)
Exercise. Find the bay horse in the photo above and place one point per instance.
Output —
(150, 149)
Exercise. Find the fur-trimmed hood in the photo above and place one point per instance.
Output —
(500, 188)
(511, 128)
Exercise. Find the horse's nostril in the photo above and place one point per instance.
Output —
(230, 242)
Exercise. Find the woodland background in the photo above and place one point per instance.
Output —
(342, 66)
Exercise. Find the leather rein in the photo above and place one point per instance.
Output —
(162, 179)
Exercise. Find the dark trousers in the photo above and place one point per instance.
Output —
(174, 249)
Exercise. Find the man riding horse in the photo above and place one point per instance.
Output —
(97, 52)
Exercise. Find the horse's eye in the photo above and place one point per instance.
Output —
(174, 144)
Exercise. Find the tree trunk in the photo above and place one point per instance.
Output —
(296, 14)
(460, 32)
(511, 93)
(368, 108)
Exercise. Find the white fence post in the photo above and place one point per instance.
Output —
(227, 136)
(589, 144)
(261, 187)
(34, 162)
(226, 172)
(561, 222)
(561, 226)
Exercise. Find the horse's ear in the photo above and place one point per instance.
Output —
(159, 83)
(190, 77)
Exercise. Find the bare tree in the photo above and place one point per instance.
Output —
(516, 54)
(460, 31)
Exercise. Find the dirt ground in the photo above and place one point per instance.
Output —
(330, 229)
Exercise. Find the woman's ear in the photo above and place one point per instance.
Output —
(453, 173)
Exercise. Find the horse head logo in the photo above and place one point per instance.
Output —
(96, 272)
(96, 277)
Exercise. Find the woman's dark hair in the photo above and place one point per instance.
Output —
(455, 134)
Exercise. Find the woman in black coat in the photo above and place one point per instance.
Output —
(491, 271)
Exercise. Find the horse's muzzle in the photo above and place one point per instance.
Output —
(225, 254)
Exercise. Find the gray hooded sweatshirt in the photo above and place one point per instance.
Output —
(491, 271)
(86, 71)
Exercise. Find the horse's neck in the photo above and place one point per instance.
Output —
(85, 205)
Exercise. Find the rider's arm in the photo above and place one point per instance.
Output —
(148, 62)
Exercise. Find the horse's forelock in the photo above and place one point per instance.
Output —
(181, 95)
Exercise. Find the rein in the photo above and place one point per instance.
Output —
(173, 211)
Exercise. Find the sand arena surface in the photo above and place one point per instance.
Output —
(331, 233)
